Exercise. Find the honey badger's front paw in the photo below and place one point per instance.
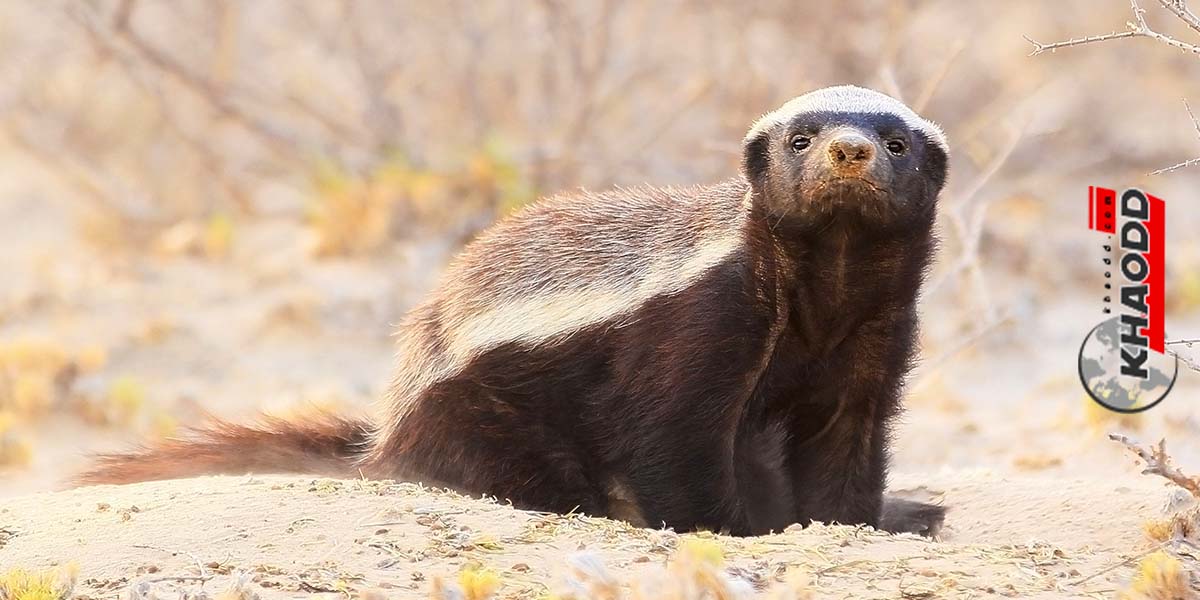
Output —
(909, 516)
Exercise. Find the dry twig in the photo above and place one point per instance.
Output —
(1179, 9)
(1186, 163)
(1135, 28)
(1128, 561)
(1159, 463)
(199, 564)
(1187, 361)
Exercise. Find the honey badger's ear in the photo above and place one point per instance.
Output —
(756, 157)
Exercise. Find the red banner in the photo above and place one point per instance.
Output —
(1155, 280)
(1102, 209)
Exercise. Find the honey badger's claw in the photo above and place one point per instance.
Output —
(909, 516)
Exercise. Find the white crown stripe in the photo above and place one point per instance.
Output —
(849, 99)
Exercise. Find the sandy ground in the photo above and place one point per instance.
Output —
(1018, 537)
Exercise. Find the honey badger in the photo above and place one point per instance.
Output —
(727, 357)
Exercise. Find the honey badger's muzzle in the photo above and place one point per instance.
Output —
(849, 155)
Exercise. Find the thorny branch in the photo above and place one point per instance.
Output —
(1180, 9)
(1135, 28)
(1186, 360)
(1186, 163)
(1159, 463)
(1139, 28)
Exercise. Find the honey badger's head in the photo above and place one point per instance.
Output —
(845, 152)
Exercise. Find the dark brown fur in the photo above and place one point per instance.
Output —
(746, 395)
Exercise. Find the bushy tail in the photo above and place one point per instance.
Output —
(324, 445)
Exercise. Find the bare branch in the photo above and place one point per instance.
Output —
(967, 220)
(1136, 28)
(1039, 47)
(924, 372)
(931, 86)
(1187, 361)
(1179, 9)
(1139, 15)
(1184, 342)
(1186, 163)
(1159, 463)
(1195, 123)
(1170, 41)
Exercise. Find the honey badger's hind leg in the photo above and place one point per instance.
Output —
(909, 516)
(482, 436)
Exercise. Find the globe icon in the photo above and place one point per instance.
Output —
(1100, 371)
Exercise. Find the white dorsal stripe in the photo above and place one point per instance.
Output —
(553, 314)
(850, 99)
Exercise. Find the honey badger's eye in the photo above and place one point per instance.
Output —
(800, 142)
(896, 147)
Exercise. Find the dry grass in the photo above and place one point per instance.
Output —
(298, 535)
(1183, 525)
(55, 584)
(1160, 576)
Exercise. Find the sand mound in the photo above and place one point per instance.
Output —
(1028, 538)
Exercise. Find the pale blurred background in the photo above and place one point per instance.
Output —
(223, 207)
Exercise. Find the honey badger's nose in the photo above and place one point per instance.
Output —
(850, 151)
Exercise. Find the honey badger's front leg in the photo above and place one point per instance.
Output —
(687, 372)
(839, 473)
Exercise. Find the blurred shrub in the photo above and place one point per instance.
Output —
(34, 376)
(39, 377)
(15, 450)
(355, 213)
